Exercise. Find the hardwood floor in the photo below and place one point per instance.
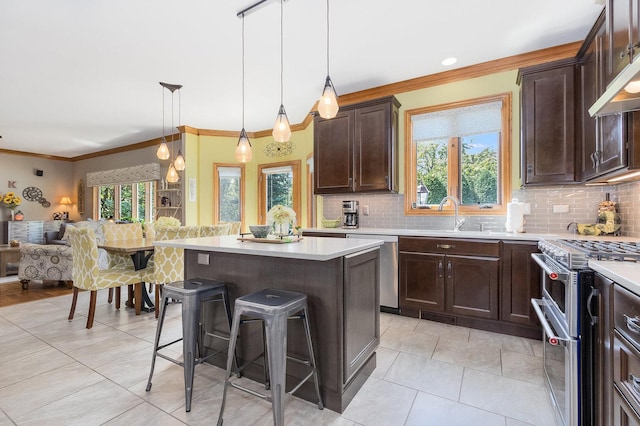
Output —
(11, 292)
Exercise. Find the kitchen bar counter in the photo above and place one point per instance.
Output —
(341, 280)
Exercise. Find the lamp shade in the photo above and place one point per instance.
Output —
(179, 162)
(328, 104)
(65, 201)
(163, 151)
(243, 149)
(282, 130)
(172, 174)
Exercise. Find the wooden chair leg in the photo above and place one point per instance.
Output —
(118, 296)
(110, 299)
(73, 303)
(138, 297)
(92, 308)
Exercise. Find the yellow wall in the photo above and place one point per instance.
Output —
(207, 150)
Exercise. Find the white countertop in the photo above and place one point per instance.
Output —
(627, 274)
(309, 248)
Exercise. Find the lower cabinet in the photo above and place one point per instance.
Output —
(623, 415)
(457, 277)
(520, 283)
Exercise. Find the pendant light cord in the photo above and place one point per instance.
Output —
(281, 53)
(243, 71)
(327, 37)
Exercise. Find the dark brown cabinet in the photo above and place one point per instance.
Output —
(357, 151)
(520, 283)
(623, 25)
(548, 123)
(457, 277)
(602, 356)
(603, 139)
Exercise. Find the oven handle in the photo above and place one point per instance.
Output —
(554, 275)
(553, 339)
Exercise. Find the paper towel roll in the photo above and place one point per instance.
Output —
(515, 216)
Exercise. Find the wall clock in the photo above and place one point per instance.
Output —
(31, 193)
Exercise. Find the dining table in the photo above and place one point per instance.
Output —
(140, 251)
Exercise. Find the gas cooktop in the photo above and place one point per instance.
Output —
(575, 254)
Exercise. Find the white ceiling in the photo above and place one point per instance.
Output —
(80, 76)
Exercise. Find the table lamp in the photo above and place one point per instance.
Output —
(65, 201)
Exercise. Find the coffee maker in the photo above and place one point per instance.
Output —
(350, 214)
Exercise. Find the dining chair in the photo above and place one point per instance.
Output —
(118, 232)
(87, 276)
(235, 227)
(215, 230)
(168, 262)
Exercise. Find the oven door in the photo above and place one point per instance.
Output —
(560, 364)
(560, 289)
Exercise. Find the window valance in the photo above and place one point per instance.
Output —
(141, 173)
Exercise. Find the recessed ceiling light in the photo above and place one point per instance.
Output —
(449, 61)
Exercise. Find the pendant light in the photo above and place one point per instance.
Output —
(328, 104)
(163, 150)
(178, 163)
(243, 148)
(281, 129)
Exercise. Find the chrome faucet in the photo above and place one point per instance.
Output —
(457, 222)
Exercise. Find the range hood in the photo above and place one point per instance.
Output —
(621, 95)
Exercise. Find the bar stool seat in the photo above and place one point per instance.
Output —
(274, 308)
(193, 294)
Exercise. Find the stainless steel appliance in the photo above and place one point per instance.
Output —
(350, 214)
(569, 323)
(388, 270)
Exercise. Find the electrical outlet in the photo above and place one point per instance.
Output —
(561, 208)
(365, 210)
(203, 258)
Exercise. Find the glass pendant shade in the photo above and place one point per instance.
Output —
(243, 149)
(179, 162)
(163, 151)
(328, 105)
(282, 130)
(172, 174)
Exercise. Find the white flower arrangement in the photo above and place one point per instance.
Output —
(163, 221)
(280, 214)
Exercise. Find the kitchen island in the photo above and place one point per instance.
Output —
(340, 278)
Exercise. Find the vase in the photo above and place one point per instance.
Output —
(13, 214)
(282, 228)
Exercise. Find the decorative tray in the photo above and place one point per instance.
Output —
(284, 240)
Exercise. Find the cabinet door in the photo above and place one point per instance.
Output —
(472, 286)
(374, 148)
(622, 28)
(333, 153)
(520, 283)
(590, 92)
(623, 415)
(422, 281)
(603, 353)
(548, 123)
(361, 298)
(612, 153)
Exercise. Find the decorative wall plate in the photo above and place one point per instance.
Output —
(279, 149)
(44, 203)
(31, 193)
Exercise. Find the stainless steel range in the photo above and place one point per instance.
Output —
(566, 312)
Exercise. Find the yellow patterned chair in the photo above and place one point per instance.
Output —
(215, 230)
(87, 276)
(235, 227)
(119, 232)
(168, 262)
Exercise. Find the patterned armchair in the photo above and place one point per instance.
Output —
(117, 232)
(235, 227)
(45, 262)
(215, 230)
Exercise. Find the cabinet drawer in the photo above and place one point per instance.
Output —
(627, 314)
(626, 370)
(622, 413)
(450, 246)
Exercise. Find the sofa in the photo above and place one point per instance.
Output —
(53, 261)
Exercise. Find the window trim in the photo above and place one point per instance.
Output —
(262, 188)
(504, 159)
(216, 190)
(150, 208)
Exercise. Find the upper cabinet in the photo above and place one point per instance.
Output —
(602, 139)
(623, 25)
(357, 151)
(548, 106)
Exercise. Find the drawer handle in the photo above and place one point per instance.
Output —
(440, 269)
(632, 323)
(449, 270)
(446, 246)
(635, 383)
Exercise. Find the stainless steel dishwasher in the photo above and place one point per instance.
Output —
(388, 270)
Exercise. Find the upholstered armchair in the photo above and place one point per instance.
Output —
(118, 232)
(44, 262)
(235, 227)
(215, 230)
(87, 275)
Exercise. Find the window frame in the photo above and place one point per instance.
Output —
(216, 190)
(262, 188)
(149, 201)
(504, 161)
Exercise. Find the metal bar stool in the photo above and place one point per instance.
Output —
(193, 294)
(274, 308)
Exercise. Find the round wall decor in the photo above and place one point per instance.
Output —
(31, 193)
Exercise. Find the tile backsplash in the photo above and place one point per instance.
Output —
(387, 210)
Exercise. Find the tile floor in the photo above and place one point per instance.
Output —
(56, 372)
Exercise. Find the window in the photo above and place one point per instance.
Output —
(228, 190)
(279, 183)
(126, 202)
(462, 150)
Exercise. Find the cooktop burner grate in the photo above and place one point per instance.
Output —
(607, 250)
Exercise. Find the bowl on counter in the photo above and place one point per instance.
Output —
(260, 231)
